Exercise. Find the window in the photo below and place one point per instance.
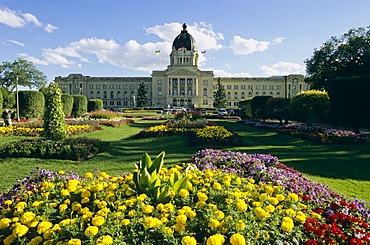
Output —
(278, 87)
(118, 94)
(125, 95)
(228, 96)
(264, 87)
(104, 86)
(236, 95)
(236, 86)
(105, 94)
(91, 94)
(160, 91)
(111, 86)
(205, 92)
(98, 94)
(249, 94)
(205, 102)
(111, 94)
(228, 86)
(242, 87)
(243, 95)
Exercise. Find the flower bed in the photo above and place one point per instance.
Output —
(318, 134)
(36, 131)
(323, 135)
(207, 135)
(214, 207)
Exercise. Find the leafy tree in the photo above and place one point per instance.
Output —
(343, 56)
(55, 127)
(28, 75)
(142, 96)
(220, 96)
(9, 99)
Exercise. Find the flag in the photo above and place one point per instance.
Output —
(158, 51)
(204, 51)
(180, 49)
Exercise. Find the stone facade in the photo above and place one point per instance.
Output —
(182, 84)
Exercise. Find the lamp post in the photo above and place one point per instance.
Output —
(285, 100)
(16, 89)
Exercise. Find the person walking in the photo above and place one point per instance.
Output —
(7, 117)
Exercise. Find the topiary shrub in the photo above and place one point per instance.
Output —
(310, 107)
(94, 105)
(245, 106)
(79, 105)
(55, 127)
(1, 101)
(276, 108)
(31, 103)
(259, 107)
(67, 101)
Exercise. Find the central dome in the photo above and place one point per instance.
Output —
(184, 40)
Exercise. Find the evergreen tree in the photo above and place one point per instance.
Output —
(220, 96)
(55, 127)
(142, 96)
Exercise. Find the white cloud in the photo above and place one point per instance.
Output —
(130, 55)
(50, 28)
(283, 68)
(20, 20)
(15, 42)
(11, 18)
(245, 46)
(222, 73)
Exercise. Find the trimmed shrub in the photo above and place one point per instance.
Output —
(79, 105)
(245, 107)
(276, 108)
(1, 101)
(55, 127)
(350, 102)
(31, 103)
(310, 107)
(94, 105)
(67, 101)
(71, 148)
(259, 107)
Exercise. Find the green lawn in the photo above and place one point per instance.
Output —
(345, 168)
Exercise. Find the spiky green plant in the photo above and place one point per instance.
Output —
(148, 179)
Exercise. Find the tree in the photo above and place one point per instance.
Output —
(220, 96)
(142, 96)
(55, 127)
(28, 75)
(345, 56)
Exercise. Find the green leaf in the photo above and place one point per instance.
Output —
(181, 184)
(158, 162)
(146, 161)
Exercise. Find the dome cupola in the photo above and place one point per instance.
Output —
(184, 40)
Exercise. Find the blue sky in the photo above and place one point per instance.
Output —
(119, 37)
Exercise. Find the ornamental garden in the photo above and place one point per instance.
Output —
(223, 192)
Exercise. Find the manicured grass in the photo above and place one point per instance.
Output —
(344, 167)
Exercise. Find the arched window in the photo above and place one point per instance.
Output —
(243, 95)
(236, 95)
(112, 94)
(118, 94)
(249, 94)
(228, 95)
(91, 94)
(105, 94)
(125, 95)
(98, 94)
(204, 92)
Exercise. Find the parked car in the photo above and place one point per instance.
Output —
(222, 112)
(203, 111)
